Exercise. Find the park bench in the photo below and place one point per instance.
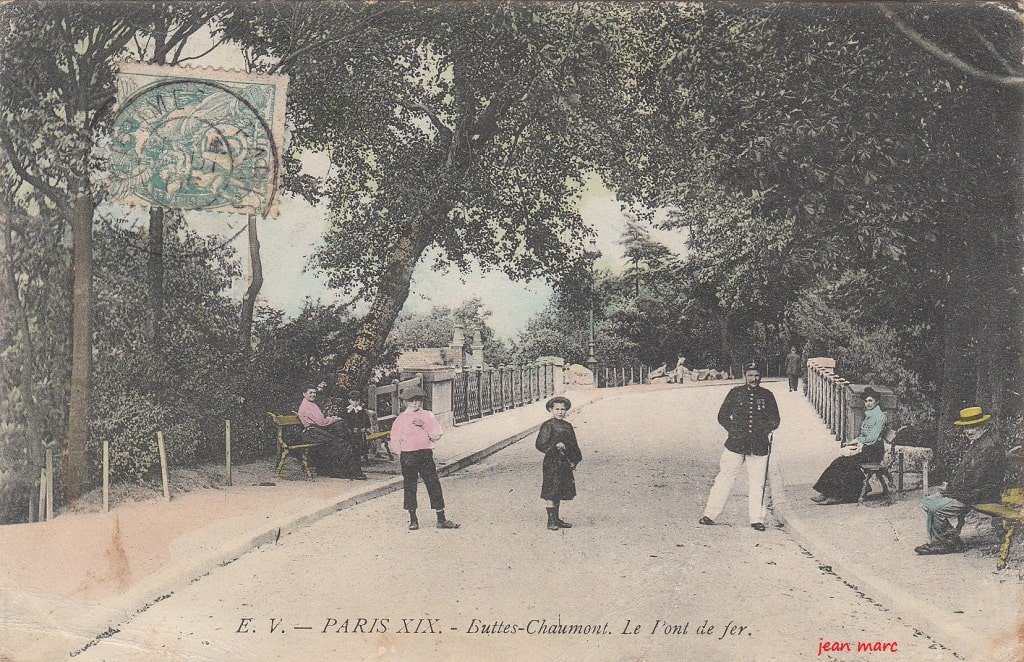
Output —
(896, 457)
(1008, 512)
(288, 424)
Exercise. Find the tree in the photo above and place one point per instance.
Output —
(456, 126)
(434, 329)
(56, 91)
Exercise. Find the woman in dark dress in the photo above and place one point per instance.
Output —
(557, 440)
(841, 482)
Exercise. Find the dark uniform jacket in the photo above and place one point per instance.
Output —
(978, 476)
(749, 415)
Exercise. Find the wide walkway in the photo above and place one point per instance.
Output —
(56, 597)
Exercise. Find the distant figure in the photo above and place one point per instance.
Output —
(750, 414)
(681, 370)
(793, 369)
(413, 434)
(557, 440)
(334, 457)
(976, 478)
(841, 482)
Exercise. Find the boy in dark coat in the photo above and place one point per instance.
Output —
(557, 440)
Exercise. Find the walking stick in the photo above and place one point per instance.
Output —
(768, 459)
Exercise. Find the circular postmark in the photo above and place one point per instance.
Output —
(194, 144)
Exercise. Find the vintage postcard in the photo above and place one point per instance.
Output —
(511, 330)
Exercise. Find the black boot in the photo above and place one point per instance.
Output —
(445, 523)
(414, 523)
(558, 520)
(552, 519)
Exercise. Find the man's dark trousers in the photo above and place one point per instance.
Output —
(420, 463)
(794, 382)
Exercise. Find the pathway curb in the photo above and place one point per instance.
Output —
(914, 611)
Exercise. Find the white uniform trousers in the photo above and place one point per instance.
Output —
(728, 467)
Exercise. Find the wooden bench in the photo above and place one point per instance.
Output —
(284, 449)
(1009, 514)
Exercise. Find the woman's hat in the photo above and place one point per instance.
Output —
(555, 400)
(971, 416)
(871, 393)
(412, 393)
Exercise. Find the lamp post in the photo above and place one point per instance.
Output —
(591, 361)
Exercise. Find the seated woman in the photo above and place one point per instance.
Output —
(841, 481)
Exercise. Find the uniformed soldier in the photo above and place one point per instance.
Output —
(749, 414)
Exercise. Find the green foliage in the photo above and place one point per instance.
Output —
(435, 328)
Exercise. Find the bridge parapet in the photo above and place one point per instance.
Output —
(837, 400)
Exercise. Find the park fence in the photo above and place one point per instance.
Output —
(625, 375)
(484, 391)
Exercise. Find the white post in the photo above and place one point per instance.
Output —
(49, 484)
(42, 495)
(227, 448)
(163, 464)
(106, 476)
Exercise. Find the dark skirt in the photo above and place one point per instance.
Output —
(559, 483)
(843, 478)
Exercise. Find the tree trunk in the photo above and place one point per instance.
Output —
(33, 419)
(391, 294)
(155, 273)
(255, 284)
(73, 468)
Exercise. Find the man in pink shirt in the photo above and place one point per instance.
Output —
(334, 457)
(413, 434)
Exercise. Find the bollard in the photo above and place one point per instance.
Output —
(163, 464)
(227, 450)
(106, 476)
(42, 495)
(49, 484)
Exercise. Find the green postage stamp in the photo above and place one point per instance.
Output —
(198, 139)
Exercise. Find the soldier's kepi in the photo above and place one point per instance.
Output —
(750, 415)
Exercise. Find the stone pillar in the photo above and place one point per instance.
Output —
(458, 345)
(478, 350)
(855, 408)
(437, 383)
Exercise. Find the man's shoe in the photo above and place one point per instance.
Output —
(935, 548)
(414, 526)
(757, 526)
(706, 520)
(829, 502)
(819, 499)
(447, 524)
(562, 524)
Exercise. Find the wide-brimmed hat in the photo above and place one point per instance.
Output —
(555, 400)
(871, 393)
(412, 393)
(971, 416)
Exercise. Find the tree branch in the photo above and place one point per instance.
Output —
(961, 65)
(991, 48)
(442, 128)
(54, 194)
(179, 60)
